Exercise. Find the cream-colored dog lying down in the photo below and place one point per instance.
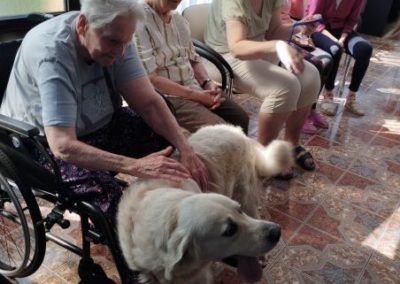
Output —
(174, 232)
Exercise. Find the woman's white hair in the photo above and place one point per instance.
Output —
(100, 13)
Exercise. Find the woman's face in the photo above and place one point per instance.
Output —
(169, 5)
(107, 44)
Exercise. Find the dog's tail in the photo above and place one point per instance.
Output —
(274, 158)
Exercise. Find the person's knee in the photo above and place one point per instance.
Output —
(282, 98)
(336, 51)
(363, 49)
(310, 83)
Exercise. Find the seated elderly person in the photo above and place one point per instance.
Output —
(165, 47)
(65, 79)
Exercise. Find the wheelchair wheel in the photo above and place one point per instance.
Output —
(22, 234)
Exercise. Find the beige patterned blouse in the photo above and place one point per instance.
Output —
(166, 48)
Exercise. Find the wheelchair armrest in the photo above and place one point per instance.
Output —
(202, 45)
(223, 67)
(19, 127)
(39, 17)
(216, 62)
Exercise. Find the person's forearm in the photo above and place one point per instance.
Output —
(169, 87)
(328, 34)
(200, 73)
(344, 36)
(282, 32)
(250, 50)
(89, 157)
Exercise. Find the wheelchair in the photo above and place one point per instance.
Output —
(24, 229)
(24, 184)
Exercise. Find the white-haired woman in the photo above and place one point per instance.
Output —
(166, 50)
(69, 88)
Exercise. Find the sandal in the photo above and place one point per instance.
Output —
(301, 156)
(286, 175)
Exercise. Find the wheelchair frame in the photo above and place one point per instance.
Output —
(23, 181)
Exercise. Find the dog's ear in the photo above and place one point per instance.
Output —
(177, 247)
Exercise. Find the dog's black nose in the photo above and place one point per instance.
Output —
(274, 233)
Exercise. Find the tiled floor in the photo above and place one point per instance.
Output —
(341, 223)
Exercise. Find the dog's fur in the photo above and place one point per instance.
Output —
(174, 232)
(237, 164)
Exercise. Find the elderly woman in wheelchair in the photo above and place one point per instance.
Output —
(69, 89)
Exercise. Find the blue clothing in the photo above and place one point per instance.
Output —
(52, 85)
(359, 48)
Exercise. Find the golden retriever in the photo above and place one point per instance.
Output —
(173, 231)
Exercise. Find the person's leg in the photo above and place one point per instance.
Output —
(361, 51)
(192, 115)
(295, 122)
(335, 51)
(323, 62)
(309, 92)
(308, 95)
(278, 89)
(129, 135)
(269, 126)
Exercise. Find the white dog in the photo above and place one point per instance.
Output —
(237, 164)
(174, 232)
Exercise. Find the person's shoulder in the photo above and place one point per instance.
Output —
(178, 18)
(52, 41)
(57, 28)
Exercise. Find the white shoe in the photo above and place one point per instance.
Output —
(353, 107)
(328, 107)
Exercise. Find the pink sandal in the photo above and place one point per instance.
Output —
(318, 120)
(308, 127)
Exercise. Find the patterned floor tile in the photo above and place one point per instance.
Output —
(288, 225)
(383, 270)
(322, 221)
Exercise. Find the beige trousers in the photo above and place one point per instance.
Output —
(280, 90)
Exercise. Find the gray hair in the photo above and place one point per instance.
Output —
(100, 13)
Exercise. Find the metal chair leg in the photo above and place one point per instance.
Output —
(347, 61)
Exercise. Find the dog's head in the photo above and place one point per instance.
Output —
(210, 227)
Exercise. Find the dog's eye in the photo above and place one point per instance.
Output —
(230, 230)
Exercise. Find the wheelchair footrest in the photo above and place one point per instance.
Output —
(92, 273)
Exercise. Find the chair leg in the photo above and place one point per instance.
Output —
(347, 61)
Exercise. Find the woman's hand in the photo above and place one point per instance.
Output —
(290, 57)
(159, 165)
(196, 167)
(210, 98)
(342, 40)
